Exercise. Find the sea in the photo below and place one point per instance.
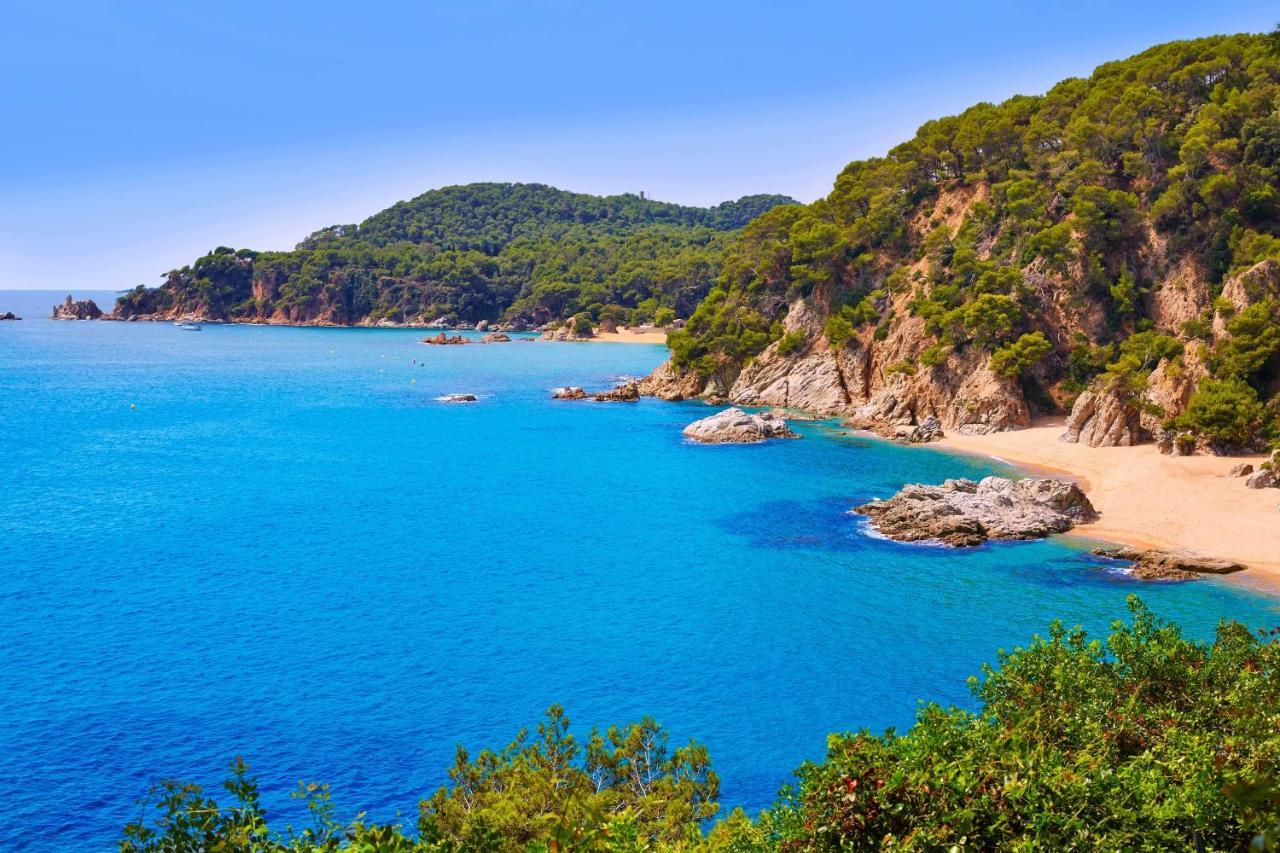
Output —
(281, 544)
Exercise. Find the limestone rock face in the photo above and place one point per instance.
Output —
(1100, 418)
(1169, 565)
(668, 383)
(77, 309)
(734, 426)
(964, 513)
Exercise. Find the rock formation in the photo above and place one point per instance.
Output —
(495, 338)
(81, 309)
(458, 398)
(565, 333)
(1264, 478)
(627, 392)
(9, 315)
(1169, 565)
(1103, 418)
(1244, 469)
(734, 426)
(571, 392)
(444, 339)
(965, 513)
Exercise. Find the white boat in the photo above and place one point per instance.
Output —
(187, 327)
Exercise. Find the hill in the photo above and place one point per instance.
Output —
(526, 253)
(1112, 247)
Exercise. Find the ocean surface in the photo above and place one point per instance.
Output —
(277, 543)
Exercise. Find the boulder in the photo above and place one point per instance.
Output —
(1244, 469)
(83, 309)
(1262, 479)
(458, 398)
(1153, 564)
(930, 429)
(734, 426)
(482, 326)
(9, 315)
(1100, 418)
(627, 392)
(565, 333)
(495, 338)
(569, 393)
(964, 513)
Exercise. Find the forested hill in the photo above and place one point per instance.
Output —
(521, 252)
(1109, 247)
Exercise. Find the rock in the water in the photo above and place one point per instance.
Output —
(1244, 469)
(458, 398)
(443, 339)
(570, 393)
(1169, 565)
(1263, 479)
(965, 513)
(82, 309)
(627, 392)
(734, 426)
(495, 338)
(9, 315)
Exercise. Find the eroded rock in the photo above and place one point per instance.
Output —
(571, 392)
(734, 426)
(1154, 564)
(77, 309)
(964, 513)
(443, 339)
(495, 338)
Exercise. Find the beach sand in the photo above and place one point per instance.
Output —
(627, 336)
(1147, 499)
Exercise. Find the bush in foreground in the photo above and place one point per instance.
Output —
(1147, 741)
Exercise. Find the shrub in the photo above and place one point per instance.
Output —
(1225, 411)
(1015, 359)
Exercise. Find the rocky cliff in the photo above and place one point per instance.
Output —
(1110, 250)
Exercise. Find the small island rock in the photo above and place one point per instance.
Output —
(627, 392)
(9, 315)
(495, 338)
(458, 398)
(444, 339)
(571, 392)
(964, 513)
(77, 309)
(734, 426)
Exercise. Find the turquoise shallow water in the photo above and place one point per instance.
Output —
(290, 551)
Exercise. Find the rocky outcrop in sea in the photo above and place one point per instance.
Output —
(1157, 565)
(964, 513)
(77, 309)
(734, 426)
(9, 315)
(443, 339)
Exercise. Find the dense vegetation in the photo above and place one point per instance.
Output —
(1147, 741)
(1039, 229)
(476, 252)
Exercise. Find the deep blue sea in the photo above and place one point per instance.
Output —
(276, 543)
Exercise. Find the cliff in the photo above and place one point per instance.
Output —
(1109, 249)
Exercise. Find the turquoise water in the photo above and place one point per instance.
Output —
(290, 551)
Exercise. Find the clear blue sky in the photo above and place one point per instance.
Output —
(139, 135)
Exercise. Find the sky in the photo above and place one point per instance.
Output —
(137, 136)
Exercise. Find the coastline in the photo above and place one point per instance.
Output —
(627, 336)
(1150, 500)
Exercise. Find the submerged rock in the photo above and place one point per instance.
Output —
(964, 513)
(734, 426)
(82, 309)
(1154, 564)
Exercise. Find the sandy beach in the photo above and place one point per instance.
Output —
(628, 336)
(1147, 499)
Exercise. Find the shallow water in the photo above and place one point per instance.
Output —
(276, 543)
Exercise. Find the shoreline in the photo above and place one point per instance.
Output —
(625, 336)
(1150, 500)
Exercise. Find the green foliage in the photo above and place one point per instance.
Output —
(1226, 412)
(1077, 745)
(1252, 342)
(1015, 359)
(481, 251)
(1144, 741)
(791, 341)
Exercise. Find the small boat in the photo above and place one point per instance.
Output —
(187, 327)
